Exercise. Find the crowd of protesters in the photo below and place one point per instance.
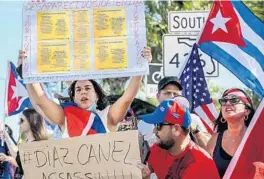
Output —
(180, 146)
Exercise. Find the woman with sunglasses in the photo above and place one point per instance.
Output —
(33, 129)
(235, 115)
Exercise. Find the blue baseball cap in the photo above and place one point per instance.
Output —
(169, 111)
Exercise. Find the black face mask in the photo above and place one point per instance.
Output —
(166, 144)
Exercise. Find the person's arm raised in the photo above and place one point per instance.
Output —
(119, 109)
(52, 110)
(40, 101)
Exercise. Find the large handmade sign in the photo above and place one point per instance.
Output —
(112, 156)
(72, 40)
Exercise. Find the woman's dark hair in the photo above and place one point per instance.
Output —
(102, 98)
(223, 126)
(36, 124)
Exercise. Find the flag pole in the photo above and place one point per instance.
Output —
(5, 114)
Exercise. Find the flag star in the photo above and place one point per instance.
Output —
(188, 69)
(206, 89)
(187, 85)
(197, 90)
(194, 86)
(204, 94)
(14, 88)
(188, 93)
(202, 99)
(199, 84)
(194, 70)
(194, 78)
(184, 72)
(201, 79)
(219, 22)
(194, 61)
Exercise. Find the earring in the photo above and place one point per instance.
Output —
(246, 118)
(222, 120)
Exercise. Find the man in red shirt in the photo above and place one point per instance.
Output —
(174, 155)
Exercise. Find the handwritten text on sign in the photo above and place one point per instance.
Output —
(99, 156)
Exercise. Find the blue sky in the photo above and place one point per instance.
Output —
(11, 37)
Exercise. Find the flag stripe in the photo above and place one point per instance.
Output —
(23, 104)
(253, 52)
(244, 59)
(254, 22)
(250, 128)
(88, 125)
(208, 128)
(211, 107)
(242, 73)
(250, 35)
(204, 116)
(208, 112)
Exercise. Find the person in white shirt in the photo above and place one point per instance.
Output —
(170, 87)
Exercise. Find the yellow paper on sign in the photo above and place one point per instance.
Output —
(82, 56)
(53, 25)
(111, 54)
(110, 22)
(81, 25)
(53, 57)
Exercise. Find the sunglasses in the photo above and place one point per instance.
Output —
(232, 101)
(160, 125)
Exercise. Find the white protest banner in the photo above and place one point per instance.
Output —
(74, 40)
(112, 155)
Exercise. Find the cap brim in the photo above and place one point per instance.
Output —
(151, 118)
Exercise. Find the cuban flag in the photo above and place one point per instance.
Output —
(234, 37)
(81, 122)
(16, 93)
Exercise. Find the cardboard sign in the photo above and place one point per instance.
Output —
(113, 155)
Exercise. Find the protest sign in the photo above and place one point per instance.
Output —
(111, 155)
(71, 40)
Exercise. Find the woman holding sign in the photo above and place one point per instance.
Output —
(81, 116)
(235, 115)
